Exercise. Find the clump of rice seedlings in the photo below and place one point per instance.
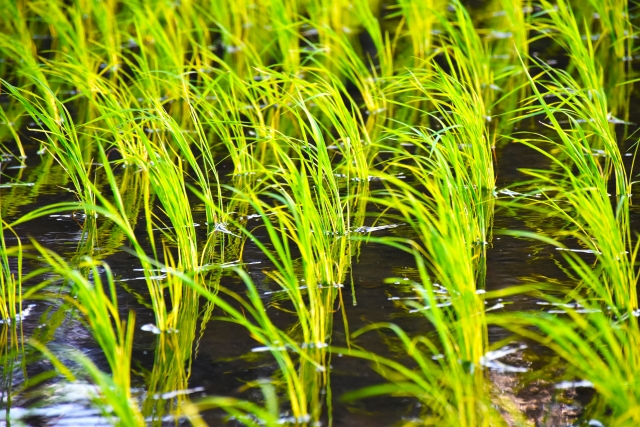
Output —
(338, 55)
(452, 387)
(461, 128)
(467, 65)
(598, 342)
(167, 181)
(351, 68)
(313, 223)
(450, 212)
(580, 184)
(23, 53)
(583, 203)
(221, 104)
(61, 139)
(99, 307)
(558, 22)
(317, 109)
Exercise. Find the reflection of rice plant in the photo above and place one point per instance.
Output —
(10, 279)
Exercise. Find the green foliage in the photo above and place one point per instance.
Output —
(317, 117)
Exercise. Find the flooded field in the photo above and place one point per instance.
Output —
(319, 213)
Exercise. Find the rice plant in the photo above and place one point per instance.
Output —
(113, 335)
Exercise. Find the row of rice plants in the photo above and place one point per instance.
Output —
(599, 334)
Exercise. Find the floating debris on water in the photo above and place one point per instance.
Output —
(172, 394)
(365, 229)
(221, 227)
(584, 251)
(150, 327)
(17, 184)
(490, 360)
(428, 307)
(573, 384)
(286, 347)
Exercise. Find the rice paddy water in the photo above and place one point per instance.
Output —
(319, 213)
